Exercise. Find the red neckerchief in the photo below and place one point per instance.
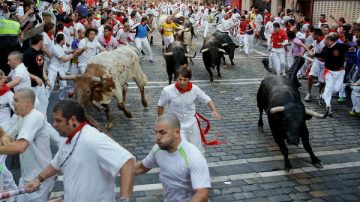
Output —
(51, 36)
(323, 21)
(4, 89)
(69, 24)
(72, 134)
(187, 89)
(320, 39)
(107, 38)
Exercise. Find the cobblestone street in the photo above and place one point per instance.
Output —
(249, 166)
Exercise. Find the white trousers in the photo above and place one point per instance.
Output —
(244, 40)
(82, 68)
(207, 30)
(143, 44)
(317, 69)
(74, 69)
(355, 98)
(168, 40)
(42, 94)
(192, 135)
(334, 80)
(52, 75)
(277, 60)
(250, 39)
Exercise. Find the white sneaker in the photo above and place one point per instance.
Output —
(307, 97)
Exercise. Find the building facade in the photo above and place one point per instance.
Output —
(349, 9)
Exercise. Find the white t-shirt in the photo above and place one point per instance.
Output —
(22, 72)
(5, 107)
(90, 171)
(49, 44)
(55, 63)
(182, 105)
(37, 156)
(91, 51)
(181, 172)
(79, 26)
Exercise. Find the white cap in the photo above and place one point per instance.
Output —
(300, 35)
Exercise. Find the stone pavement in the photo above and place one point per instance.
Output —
(249, 167)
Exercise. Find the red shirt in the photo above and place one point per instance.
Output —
(278, 38)
(242, 26)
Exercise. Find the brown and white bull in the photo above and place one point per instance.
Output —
(106, 76)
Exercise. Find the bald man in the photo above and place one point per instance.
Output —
(184, 173)
(32, 143)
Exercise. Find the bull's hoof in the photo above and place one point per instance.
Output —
(318, 165)
(219, 75)
(109, 125)
(144, 103)
(287, 170)
(260, 128)
(128, 114)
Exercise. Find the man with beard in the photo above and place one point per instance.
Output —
(179, 99)
(184, 173)
(32, 143)
(85, 145)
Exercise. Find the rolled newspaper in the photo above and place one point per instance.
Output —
(11, 193)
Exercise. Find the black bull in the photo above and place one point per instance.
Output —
(212, 53)
(286, 115)
(227, 44)
(175, 57)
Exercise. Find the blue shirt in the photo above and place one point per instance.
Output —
(82, 10)
(142, 31)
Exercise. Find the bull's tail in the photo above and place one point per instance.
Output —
(295, 67)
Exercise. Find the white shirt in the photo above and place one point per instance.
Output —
(37, 156)
(5, 107)
(20, 12)
(269, 28)
(79, 26)
(181, 172)
(22, 72)
(318, 46)
(90, 171)
(91, 51)
(56, 64)
(48, 43)
(225, 25)
(182, 105)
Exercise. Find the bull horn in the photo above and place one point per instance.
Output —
(204, 50)
(221, 50)
(277, 109)
(169, 53)
(97, 79)
(224, 44)
(190, 56)
(315, 114)
(67, 77)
